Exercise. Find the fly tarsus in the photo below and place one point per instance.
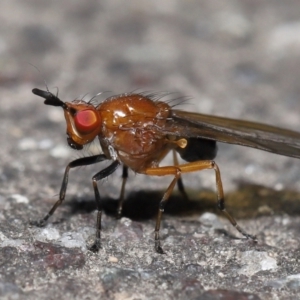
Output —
(158, 247)
(95, 246)
(41, 222)
(237, 226)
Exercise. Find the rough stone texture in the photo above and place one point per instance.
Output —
(238, 59)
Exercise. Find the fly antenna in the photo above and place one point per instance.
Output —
(50, 98)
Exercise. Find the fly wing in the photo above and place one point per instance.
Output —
(245, 133)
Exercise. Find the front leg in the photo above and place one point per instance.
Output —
(75, 163)
(96, 245)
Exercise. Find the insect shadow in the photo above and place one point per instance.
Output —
(141, 205)
(248, 201)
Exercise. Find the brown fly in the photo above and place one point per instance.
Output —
(138, 130)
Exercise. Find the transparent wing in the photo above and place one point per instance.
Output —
(245, 133)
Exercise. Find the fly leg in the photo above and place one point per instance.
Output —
(162, 171)
(100, 175)
(208, 164)
(187, 168)
(76, 163)
(180, 184)
(122, 193)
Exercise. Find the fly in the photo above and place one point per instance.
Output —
(137, 131)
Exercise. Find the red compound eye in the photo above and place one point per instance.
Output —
(86, 121)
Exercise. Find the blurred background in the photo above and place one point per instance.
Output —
(239, 59)
(233, 58)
